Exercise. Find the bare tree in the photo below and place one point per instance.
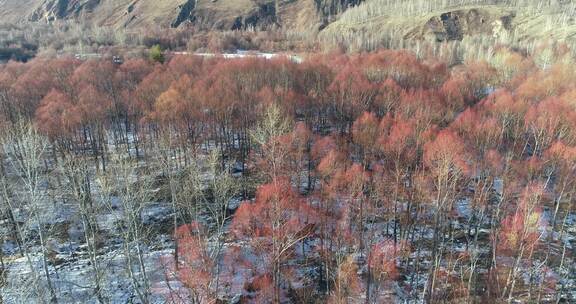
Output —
(168, 165)
(76, 170)
(127, 189)
(26, 149)
(266, 133)
(205, 200)
(222, 189)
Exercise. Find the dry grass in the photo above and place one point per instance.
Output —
(113, 13)
(145, 13)
(222, 13)
(14, 11)
(373, 24)
(377, 22)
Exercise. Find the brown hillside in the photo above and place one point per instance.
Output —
(208, 14)
(367, 21)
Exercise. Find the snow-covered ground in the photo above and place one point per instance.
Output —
(73, 274)
(73, 280)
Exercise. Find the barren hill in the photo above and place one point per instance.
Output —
(211, 14)
(444, 20)
(367, 20)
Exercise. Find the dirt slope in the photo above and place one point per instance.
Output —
(15, 11)
(440, 20)
(210, 14)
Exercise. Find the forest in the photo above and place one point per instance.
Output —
(377, 177)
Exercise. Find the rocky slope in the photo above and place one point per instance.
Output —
(447, 20)
(437, 20)
(210, 14)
